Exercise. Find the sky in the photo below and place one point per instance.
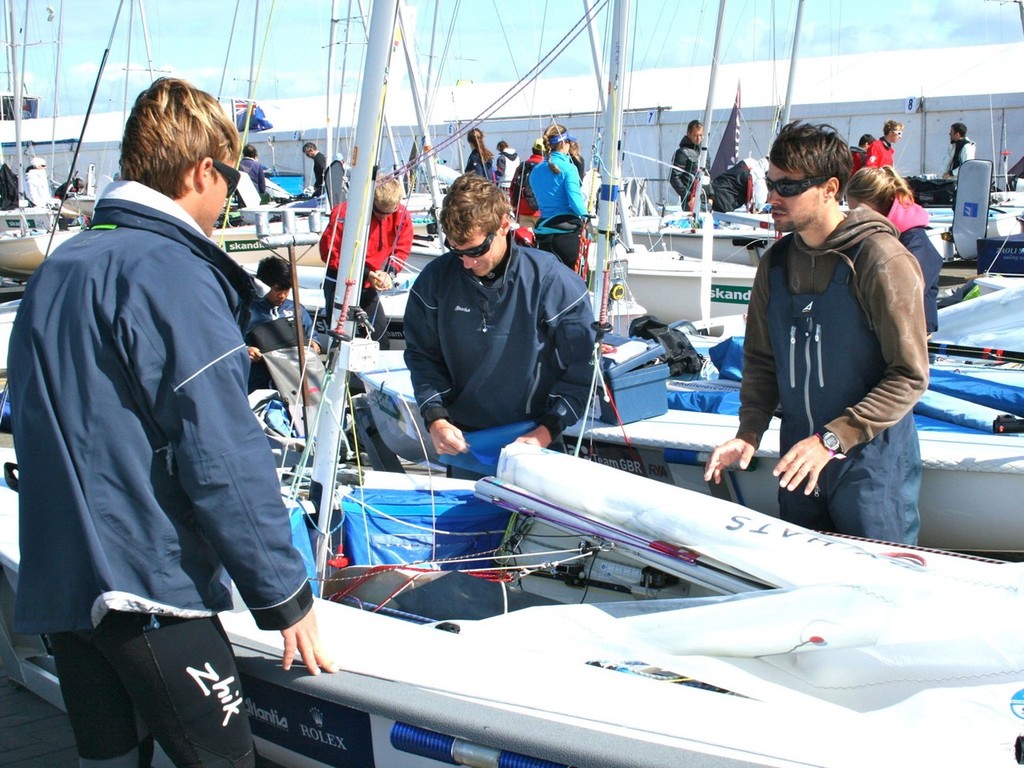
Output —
(210, 42)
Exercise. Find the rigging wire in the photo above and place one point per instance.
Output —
(511, 93)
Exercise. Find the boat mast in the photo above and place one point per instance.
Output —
(611, 157)
(332, 42)
(792, 62)
(421, 113)
(702, 162)
(364, 166)
(16, 76)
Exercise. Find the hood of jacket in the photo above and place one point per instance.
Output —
(133, 205)
(905, 216)
(859, 224)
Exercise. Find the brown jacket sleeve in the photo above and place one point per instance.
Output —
(891, 290)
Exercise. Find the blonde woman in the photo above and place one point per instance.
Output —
(886, 192)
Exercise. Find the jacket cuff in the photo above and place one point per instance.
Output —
(285, 614)
(553, 423)
(434, 413)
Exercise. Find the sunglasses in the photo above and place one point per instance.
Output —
(793, 187)
(471, 253)
(898, 133)
(231, 175)
(382, 212)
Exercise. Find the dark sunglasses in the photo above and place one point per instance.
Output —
(792, 187)
(231, 175)
(471, 253)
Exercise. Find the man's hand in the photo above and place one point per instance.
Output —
(804, 461)
(540, 437)
(255, 355)
(304, 636)
(381, 280)
(447, 438)
(725, 455)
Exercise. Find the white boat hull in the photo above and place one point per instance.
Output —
(20, 255)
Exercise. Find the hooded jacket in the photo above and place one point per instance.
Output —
(889, 289)
(505, 164)
(911, 220)
(144, 478)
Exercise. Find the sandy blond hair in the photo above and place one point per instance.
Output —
(173, 126)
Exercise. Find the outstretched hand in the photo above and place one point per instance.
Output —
(725, 455)
(304, 636)
(804, 461)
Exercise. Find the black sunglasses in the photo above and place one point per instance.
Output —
(231, 175)
(793, 187)
(471, 253)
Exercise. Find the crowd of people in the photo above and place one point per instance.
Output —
(499, 331)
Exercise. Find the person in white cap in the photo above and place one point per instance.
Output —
(37, 183)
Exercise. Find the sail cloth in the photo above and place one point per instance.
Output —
(256, 117)
(729, 150)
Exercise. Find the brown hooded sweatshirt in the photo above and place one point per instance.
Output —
(889, 287)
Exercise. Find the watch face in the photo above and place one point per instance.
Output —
(830, 440)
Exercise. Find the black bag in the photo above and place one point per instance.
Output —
(8, 188)
(520, 187)
(680, 355)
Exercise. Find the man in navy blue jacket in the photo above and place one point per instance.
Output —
(496, 333)
(144, 479)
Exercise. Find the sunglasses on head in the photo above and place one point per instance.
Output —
(793, 187)
(471, 253)
(231, 175)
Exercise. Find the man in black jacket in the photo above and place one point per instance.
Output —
(685, 163)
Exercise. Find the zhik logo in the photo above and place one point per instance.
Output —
(231, 700)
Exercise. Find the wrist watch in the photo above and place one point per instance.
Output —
(830, 441)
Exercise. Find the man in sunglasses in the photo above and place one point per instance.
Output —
(145, 482)
(882, 152)
(496, 333)
(836, 337)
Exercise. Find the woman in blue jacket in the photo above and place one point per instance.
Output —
(563, 209)
(481, 159)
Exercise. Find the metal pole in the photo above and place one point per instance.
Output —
(365, 154)
(611, 157)
(712, 78)
(792, 62)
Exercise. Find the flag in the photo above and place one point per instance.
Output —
(729, 150)
(257, 119)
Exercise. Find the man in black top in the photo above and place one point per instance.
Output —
(685, 163)
(319, 166)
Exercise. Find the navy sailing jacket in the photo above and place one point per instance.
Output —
(143, 474)
(493, 355)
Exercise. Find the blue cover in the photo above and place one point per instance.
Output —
(485, 447)
(392, 527)
(728, 358)
(1004, 398)
(955, 410)
(706, 401)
